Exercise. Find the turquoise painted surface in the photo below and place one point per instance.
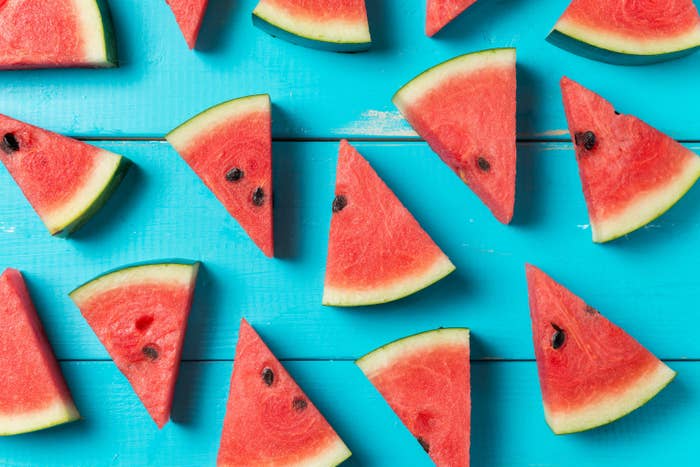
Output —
(646, 282)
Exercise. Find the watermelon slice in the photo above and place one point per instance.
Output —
(425, 379)
(33, 394)
(377, 251)
(465, 109)
(629, 32)
(269, 420)
(591, 371)
(441, 12)
(335, 25)
(189, 15)
(139, 313)
(45, 34)
(631, 173)
(66, 181)
(230, 147)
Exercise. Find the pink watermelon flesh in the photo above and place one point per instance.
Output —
(269, 420)
(465, 110)
(377, 251)
(630, 172)
(350, 11)
(142, 322)
(33, 393)
(189, 15)
(591, 371)
(441, 12)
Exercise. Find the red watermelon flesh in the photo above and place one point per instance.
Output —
(49, 34)
(591, 371)
(631, 173)
(140, 313)
(33, 393)
(229, 146)
(425, 379)
(377, 251)
(269, 420)
(189, 15)
(441, 12)
(465, 110)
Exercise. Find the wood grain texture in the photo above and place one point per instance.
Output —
(160, 82)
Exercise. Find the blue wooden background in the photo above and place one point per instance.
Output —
(646, 282)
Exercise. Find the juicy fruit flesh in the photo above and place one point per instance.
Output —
(441, 12)
(189, 15)
(33, 393)
(321, 10)
(598, 364)
(269, 420)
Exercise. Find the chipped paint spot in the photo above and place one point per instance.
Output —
(378, 123)
(584, 226)
(7, 228)
(552, 133)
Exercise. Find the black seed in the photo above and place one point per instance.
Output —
(234, 175)
(617, 113)
(259, 196)
(591, 310)
(299, 404)
(585, 139)
(339, 203)
(267, 376)
(150, 352)
(558, 337)
(483, 164)
(9, 143)
(424, 444)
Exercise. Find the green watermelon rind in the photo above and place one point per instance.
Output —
(647, 387)
(108, 36)
(98, 33)
(297, 34)
(60, 412)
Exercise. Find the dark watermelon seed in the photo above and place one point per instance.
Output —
(150, 352)
(586, 139)
(483, 164)
(268, 376)
(591, 310)
(617, 113)
(9, 143)
(558, 337)
(299, 404)
(424, 444)
(259, 196)
(339, 203)
(234, 175)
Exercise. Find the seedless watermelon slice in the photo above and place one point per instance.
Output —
(377, 251)
(269, 420)
(33, 394)
(45, 34)
(465, 109)
(631, 173)
(628, 33)
(139, 313)
(441, 12)
(189, 15)
(425, 379)
(335, 25)
(66, 181)
(230, 147)
(591, 371)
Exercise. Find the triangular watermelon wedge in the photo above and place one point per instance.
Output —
(591, 371)
(441, 12)
(631, 173)
(33, 393)
(139, 313)
(425, 379)
(230, 147)
(189, 15)
(269, 420)
(377, 251)
(465, 110)
(66, 181)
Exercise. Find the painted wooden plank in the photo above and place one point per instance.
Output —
(647, 282)
(508, 428)
(317, 94)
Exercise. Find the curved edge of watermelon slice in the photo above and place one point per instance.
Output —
(343, 297)
(603, 46)
(58, 413)
(612, 408)
(334, 36)
(98, 34)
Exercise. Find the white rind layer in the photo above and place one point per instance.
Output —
(92, 27)
(57, 413)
